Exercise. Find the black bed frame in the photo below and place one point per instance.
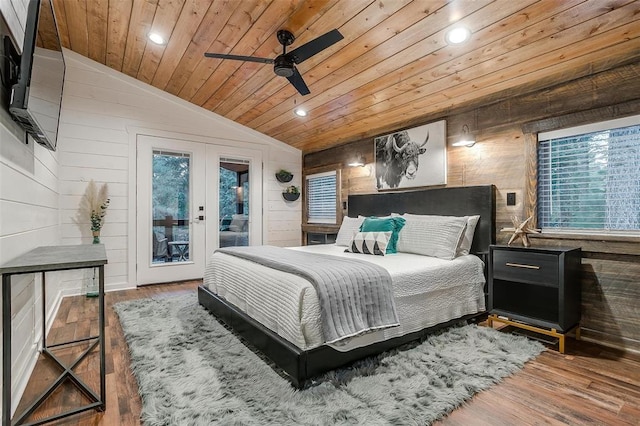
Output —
(301, 365)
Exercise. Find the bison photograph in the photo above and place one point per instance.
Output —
(411, 158)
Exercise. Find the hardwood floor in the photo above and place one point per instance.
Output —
(77, 318)
(590, 384)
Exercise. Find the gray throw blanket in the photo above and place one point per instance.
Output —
(355, 296)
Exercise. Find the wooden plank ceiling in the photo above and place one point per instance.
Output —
(392, 69)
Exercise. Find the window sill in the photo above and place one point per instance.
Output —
(586, 237)
(320, 227)
(621, 248)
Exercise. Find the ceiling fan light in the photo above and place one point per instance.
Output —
(282, 66)
(458, 35)
(156, 38)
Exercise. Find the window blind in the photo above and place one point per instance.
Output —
(590, 181)
(321, 197)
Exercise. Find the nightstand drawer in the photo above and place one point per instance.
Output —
(537, 268)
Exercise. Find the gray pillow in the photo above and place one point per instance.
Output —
(429, 235)
(238, 223)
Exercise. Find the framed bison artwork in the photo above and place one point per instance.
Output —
(413, 157)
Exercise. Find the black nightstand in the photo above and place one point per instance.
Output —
(537, 289)
(320, 238)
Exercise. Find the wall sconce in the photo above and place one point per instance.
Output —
(467, 138)
(358, 161)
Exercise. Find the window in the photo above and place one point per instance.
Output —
(321, 197)
(589, 178)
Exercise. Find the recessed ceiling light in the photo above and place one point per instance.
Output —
(300, 112)
(156, 38)
(458, 35)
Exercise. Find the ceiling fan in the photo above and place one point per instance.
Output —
(284, 65)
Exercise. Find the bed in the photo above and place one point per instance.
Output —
(277, 312)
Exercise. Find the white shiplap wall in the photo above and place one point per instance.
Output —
(29, 203)
(14, 13)
(103, 110)
(28, 218)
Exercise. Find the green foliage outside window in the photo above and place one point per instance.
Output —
(590, 181)
(170, 186)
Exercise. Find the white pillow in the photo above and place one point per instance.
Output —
(370, 243)
(429, 235)
(464, 246)
(467, 238)
(349, 227)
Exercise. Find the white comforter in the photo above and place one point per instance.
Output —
(428, 291)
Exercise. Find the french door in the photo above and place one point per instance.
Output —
(234, 197)
(191, 199)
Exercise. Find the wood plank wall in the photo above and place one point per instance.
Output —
(504, 155)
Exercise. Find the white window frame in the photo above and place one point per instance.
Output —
(576, 131)
(320, 220)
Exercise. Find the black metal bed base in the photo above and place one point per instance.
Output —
(302, 365)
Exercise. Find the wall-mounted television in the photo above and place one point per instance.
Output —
(36, 95)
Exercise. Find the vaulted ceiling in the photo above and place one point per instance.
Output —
(392, 69)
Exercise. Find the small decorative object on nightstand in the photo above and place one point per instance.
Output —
(537, 289)
(521, 230)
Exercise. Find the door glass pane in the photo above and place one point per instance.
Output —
(234, 202)
(170, 205)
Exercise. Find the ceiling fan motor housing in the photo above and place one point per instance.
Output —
(283, 66)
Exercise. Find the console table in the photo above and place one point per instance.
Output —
(47, 259)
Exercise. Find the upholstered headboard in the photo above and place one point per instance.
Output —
(455, 201)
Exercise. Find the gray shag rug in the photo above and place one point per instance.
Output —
(191, 370)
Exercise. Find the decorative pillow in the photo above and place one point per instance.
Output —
(376, 224)
(467, 238)
(238, 223)
(349, 227)
(370, 243)
(436, 236)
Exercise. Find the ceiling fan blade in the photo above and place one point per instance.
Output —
(316, 45)
(298, 82)
(239, 58)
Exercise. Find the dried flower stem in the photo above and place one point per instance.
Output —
(95, 203)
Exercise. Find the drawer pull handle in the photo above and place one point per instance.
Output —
(520, 265)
